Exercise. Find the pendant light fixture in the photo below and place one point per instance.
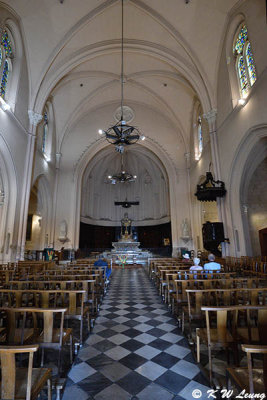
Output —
(122, 134)
(122, 176)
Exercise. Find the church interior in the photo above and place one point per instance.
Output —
(133, 157)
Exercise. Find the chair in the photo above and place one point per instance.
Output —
(252, 327)
(15, 331)
(22, 383)
(45, 334)
(252, 380)
(218, 336)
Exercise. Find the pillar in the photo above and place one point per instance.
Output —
(34, 119)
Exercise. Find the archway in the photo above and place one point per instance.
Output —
(101, 219)
(251, 153)
(8, 186)
(255, 209)
(39, 218)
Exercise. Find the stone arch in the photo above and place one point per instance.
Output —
(105, 47)
(8, 209)
(250, 153)
(190, 68)
(40, 189)
(231, 32)
(13, 83)
(171, 174)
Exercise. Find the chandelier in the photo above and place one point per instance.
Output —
(121, 177)
(122, 134)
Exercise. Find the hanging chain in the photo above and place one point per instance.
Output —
(122, 71)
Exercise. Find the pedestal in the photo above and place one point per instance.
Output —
(130, 249)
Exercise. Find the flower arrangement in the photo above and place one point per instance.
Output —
(122, 260)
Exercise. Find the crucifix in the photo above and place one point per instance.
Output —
(126, 203)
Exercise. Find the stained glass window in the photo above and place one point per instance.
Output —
(245, 65)
(5, 62)
(4, 79)
(243, 78)
(241, 40)
(6, 43)
(250, 64)
(200, 136)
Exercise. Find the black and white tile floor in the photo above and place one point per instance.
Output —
(136, 350)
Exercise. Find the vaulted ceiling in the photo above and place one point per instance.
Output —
(172, 51)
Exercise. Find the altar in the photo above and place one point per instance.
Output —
(126, 247)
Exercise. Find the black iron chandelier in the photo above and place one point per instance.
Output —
(121, 177)
(122, 134)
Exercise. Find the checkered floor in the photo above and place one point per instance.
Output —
(136, 350)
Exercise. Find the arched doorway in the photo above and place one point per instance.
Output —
(246, 180)
(39, 219)
(8, 198)
(255, 209)
(101, 218)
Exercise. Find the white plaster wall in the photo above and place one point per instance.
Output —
(240, 128)
(151, 188)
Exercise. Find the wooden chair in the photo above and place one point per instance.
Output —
(252, 380)
(253, 326)
(22, 383)
(15, 331)
(45, 333)
(218, 336)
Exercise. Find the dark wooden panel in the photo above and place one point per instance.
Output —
(101, 237)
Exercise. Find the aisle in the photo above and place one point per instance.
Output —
(136, 350)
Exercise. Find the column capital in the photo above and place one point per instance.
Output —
(210, 117)
(187, 159)
(34, 117)
(58, 158)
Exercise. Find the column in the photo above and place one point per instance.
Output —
(34, 119)
(53, 228)
(210, 116)
(191, 226)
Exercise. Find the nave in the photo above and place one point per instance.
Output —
(135, 350)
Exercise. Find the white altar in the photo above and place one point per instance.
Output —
(130, 249)
(127, 246)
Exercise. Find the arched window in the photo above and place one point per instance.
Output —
(245, 66)
(198, 137)
(45, 131)
(5, 62)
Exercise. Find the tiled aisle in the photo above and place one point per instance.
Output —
(136, 350)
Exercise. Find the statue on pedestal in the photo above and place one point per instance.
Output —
(126, 227)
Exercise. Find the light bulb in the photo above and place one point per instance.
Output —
(142, 137)
(100, 131)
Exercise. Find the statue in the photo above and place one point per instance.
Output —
(126, 227)
(185, 228)
(63, 231)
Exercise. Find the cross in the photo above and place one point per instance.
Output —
(126, 204)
